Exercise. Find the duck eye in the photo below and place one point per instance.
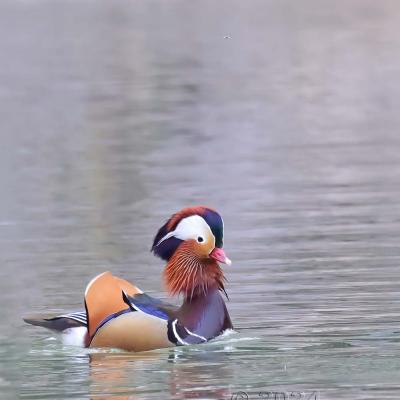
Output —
(200, 239)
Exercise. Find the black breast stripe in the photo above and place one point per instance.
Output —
(180, 335)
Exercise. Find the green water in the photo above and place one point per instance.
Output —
(282, 115)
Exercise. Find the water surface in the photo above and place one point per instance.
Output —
(282, 115)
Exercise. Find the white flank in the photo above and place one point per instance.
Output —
(74, 336)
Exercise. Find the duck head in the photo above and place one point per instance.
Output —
(191, 242)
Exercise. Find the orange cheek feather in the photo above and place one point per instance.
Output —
(191, 271)
(202, 250)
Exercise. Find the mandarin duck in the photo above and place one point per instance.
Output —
(119, 315)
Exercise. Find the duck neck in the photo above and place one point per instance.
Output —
(193, 277)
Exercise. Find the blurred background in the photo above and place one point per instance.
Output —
(283, 115)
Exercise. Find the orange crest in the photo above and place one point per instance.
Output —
(186, 212)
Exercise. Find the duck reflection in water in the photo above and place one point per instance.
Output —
(189, 372)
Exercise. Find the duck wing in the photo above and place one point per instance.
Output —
(120, 315)
(144, 303)
(103, 299)
(58, 322)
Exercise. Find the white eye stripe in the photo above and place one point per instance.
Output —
(191, 227)
(167, 236)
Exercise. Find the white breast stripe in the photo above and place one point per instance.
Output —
(195, 334)
(178, 338)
